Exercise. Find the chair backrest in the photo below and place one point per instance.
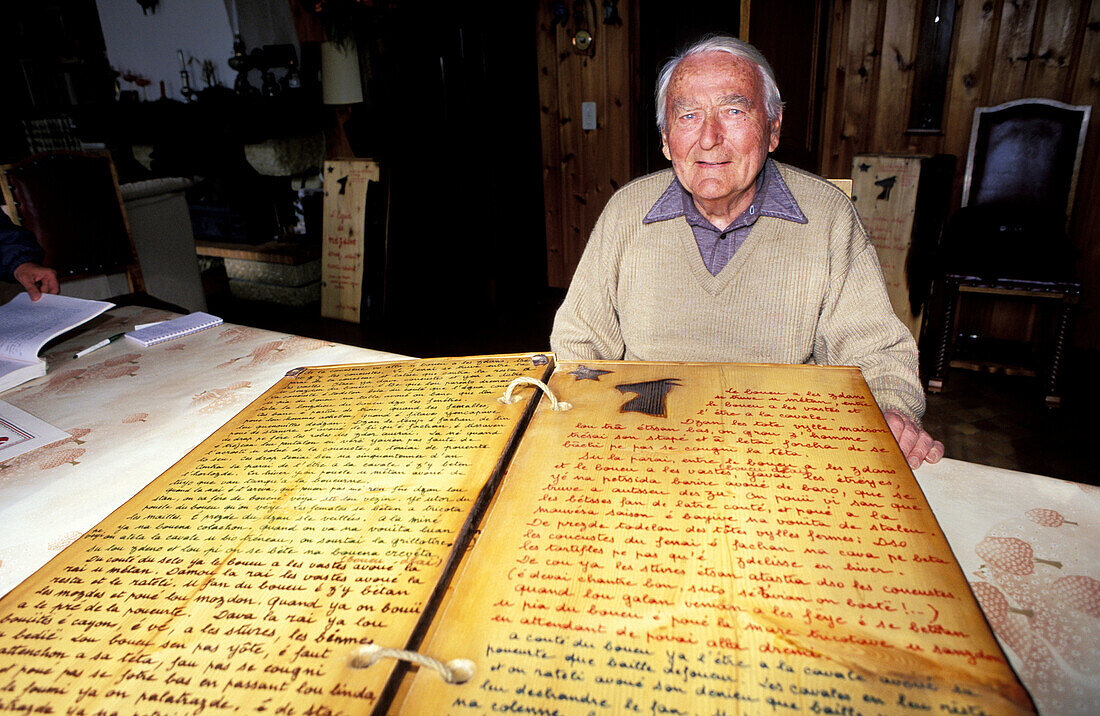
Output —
(71, 201)
(1026, 154)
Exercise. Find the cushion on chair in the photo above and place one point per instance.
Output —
(1006, 242)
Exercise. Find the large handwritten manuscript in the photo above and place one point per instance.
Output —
(687, 538)
(322, 515)
(702, 539)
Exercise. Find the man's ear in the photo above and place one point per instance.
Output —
(775, 125)
(664, 146)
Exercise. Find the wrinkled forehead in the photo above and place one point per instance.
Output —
(712, 75)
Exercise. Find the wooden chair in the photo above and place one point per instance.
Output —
(71, 201)
(1010, 237)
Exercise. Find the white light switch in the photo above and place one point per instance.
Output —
(588, 115)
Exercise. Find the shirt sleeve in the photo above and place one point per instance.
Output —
(586, 326)
(17, 246)
(858, 325)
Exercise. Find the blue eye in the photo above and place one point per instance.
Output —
(733, 110)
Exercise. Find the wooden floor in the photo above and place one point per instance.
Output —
(988, 419)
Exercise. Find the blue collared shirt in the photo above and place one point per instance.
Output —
(717, 246)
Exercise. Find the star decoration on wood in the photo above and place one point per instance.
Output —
(583, 372)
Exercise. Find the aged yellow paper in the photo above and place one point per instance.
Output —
(701, 539)
(318, 519)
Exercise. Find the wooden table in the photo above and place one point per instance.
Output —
(1026, 543)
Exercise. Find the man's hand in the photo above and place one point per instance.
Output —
(916, 445)
(37, 279)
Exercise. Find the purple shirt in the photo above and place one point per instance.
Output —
(717, 246)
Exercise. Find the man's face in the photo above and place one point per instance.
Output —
(717, 130)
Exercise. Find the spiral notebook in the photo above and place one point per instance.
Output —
(175, 328)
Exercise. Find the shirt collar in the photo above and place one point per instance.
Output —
(773, 198)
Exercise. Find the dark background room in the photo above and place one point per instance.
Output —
(490, 180)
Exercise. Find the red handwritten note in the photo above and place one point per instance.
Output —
(343, 241)
(740, 539)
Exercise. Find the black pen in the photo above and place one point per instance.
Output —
(97, 346)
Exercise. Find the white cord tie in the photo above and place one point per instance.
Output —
(555, 404)
(455, 671)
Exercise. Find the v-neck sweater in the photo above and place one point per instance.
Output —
(792, 293)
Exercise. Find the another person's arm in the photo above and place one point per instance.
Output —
(20, 255)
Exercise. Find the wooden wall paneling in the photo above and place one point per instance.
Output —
(1085, 227)
(582, 168)
(1048, 72)
(616, 114)
(1014, 51)
(835, 79)
(976, 27)
(550, 130)
(573, 164)
(895, 80)
(860, 72)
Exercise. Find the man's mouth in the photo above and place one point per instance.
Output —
(711, 164)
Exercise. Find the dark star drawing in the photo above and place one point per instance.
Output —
(887, 184)
(583, 372)
(651, 396)
(864, 166)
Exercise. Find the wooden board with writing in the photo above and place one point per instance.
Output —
(343, 244)
(321, 517)
(903, 201)
(702, 539)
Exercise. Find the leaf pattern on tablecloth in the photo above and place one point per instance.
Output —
(301, 343)
(1051, 686)
(260, 355)
(135, 418)
(44, 452)
(236, 334)
(1010, 554)
(121, 360)
(65, 457)
(63, 381)
(1047, 518)
(209, 401)
(1070, 630)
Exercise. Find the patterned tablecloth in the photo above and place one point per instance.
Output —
(1028, 544)
(1030, 548)
(131, 413)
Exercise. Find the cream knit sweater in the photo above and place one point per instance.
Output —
(793, 293)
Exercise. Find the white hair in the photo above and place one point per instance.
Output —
(773, 103)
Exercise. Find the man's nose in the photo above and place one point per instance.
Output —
(712, 132)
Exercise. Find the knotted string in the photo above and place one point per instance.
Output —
(455, 671)
(555, 404)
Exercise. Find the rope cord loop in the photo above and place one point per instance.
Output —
(455, 671)
(555, 404)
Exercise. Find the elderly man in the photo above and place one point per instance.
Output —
(731, 256)
(19, 257)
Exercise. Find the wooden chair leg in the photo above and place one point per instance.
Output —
(1065, 320)
(943, 352)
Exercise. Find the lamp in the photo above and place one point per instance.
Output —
(340, 82)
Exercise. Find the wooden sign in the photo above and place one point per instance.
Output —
(343, 241)
(903, 202)
(685, 538)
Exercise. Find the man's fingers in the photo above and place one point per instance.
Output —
(916, 445)
(935, 452)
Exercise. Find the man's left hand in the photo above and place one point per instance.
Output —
(916, 445)
(36, 279)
